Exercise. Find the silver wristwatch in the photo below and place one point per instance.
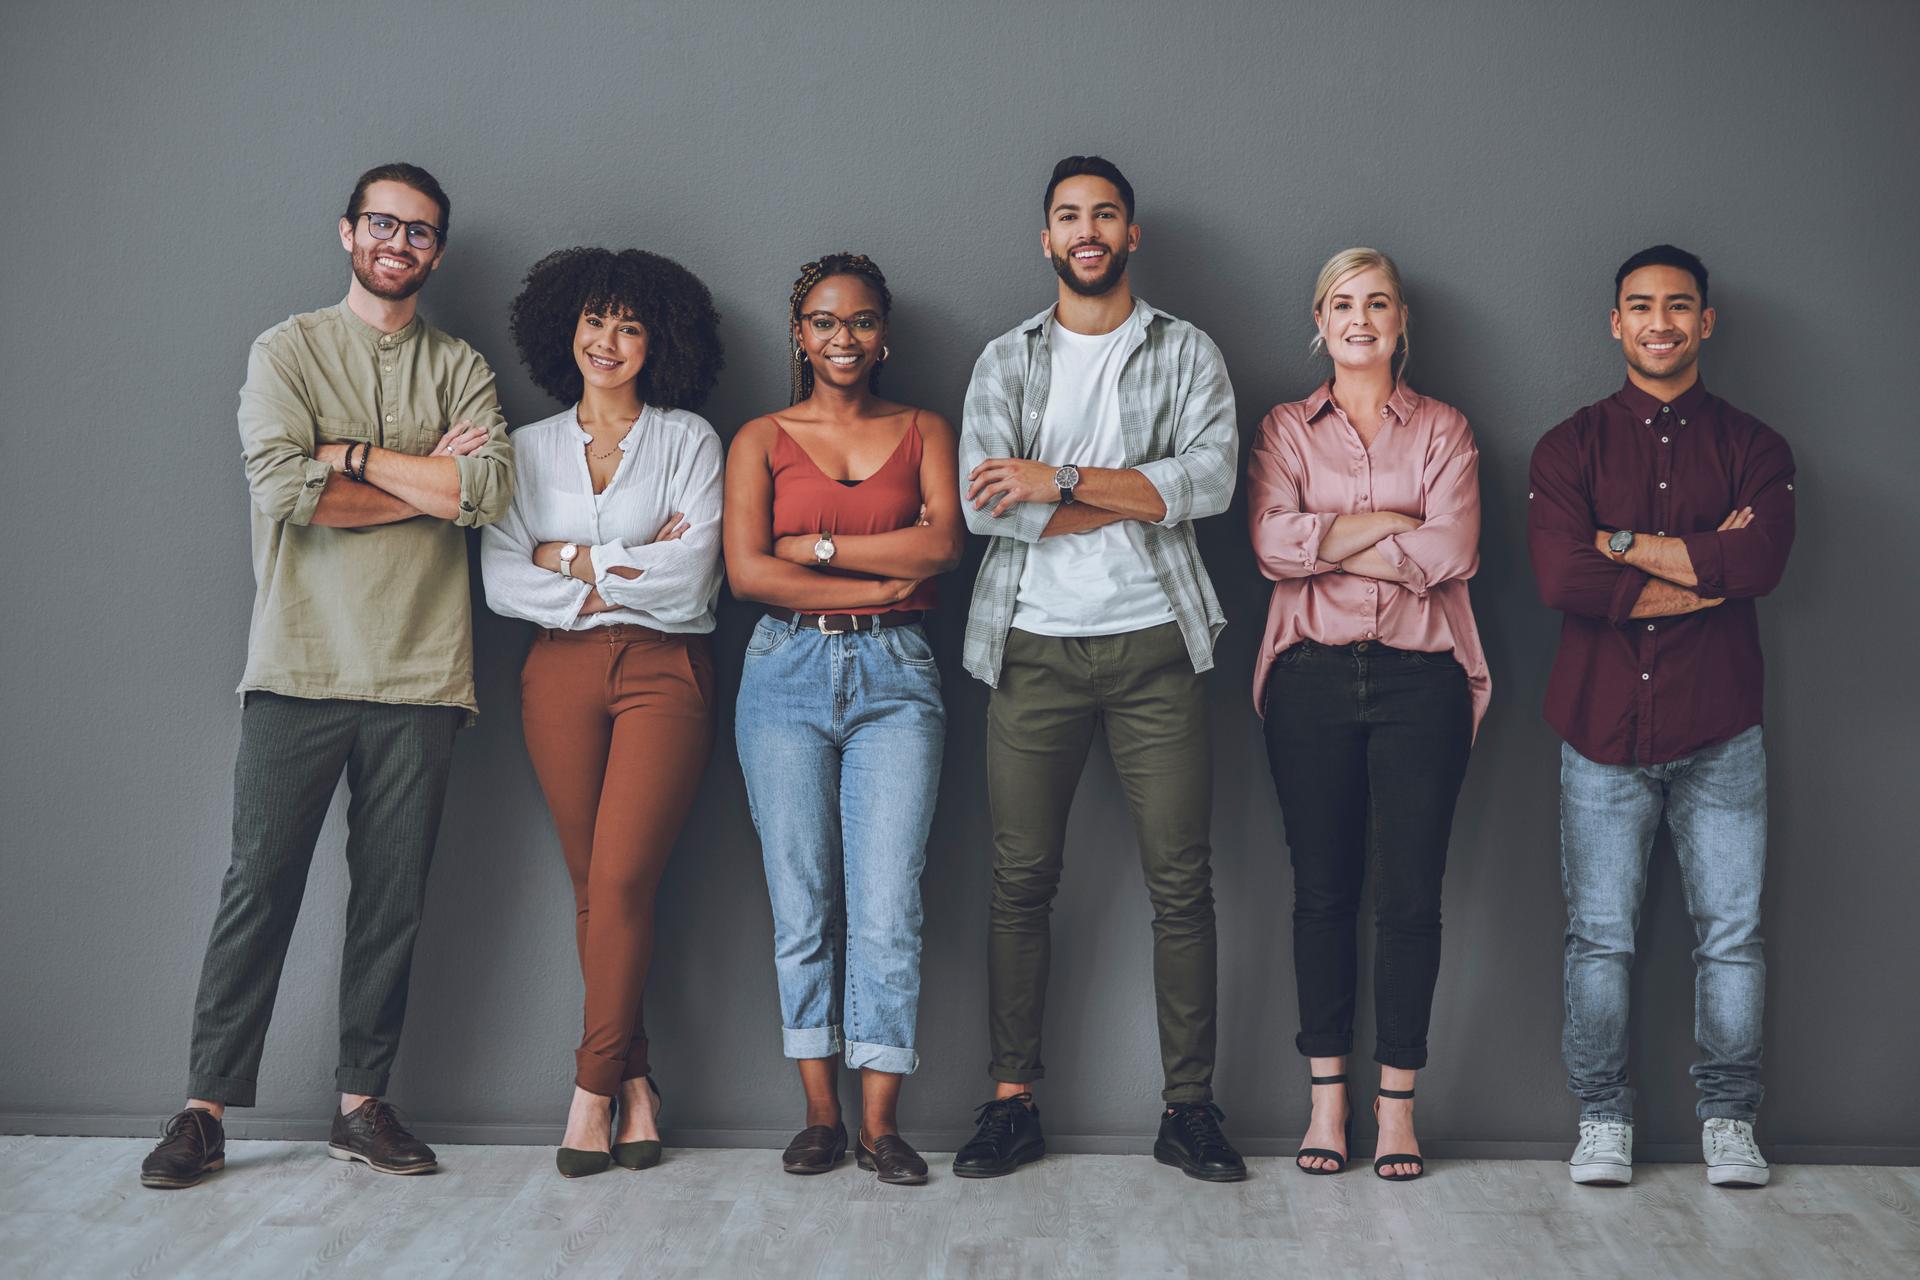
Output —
(1620, 543)
(823, 549)
(567, 553)
(1066, 480)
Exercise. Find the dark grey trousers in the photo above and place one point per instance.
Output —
(292, 752)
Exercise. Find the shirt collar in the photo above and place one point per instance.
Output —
(354, 324)
(580, 433)
(1647, 407)
(1402, 402)
(1143, 311)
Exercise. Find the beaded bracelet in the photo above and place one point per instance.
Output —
(366, 447)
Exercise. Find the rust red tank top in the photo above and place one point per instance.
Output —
(807, 501)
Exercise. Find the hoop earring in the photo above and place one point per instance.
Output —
(799, 356)
(886, 353)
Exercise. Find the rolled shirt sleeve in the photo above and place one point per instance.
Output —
(486, 474)
(1446, 546)
(1196, 480)
(988, 430)
(1569, 570)
(284, 479)
(1738, 564)
(1286, 540)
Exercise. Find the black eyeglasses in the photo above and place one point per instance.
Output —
(421, 235)
(824, 323)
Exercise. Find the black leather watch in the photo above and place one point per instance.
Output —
(1067, 479)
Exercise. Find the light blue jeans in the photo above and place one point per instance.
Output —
(1715, 805)
(840, 738)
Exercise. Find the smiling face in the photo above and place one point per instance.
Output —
(1088, 236)
(1660, 325)
(392, 269)
(610, 349)
(1361, 319)
(842, 330)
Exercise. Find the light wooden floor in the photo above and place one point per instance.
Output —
(74, 1207)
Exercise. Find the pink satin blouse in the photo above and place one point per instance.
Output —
(1309, 467)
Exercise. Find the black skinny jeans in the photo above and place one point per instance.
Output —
(1368, 745)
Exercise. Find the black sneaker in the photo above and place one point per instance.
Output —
(1008, 1137)
(1190, 1137)
(372, 1134)
(193, 1143)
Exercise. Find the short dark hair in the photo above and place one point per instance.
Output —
(684, 356)
(1094, 166)
(413, 176)
(1663, 255)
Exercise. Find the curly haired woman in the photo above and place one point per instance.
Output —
(840, 512)
(612, 550)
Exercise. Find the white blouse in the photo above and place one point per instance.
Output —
(671, 460)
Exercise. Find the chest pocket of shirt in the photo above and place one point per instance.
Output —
(411, 435)
(331, 430)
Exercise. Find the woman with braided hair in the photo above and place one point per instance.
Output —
(840, 510)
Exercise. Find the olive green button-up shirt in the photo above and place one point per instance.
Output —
(380, 614)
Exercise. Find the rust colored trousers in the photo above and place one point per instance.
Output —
(619, 723)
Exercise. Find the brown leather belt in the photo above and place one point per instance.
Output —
(839, 624)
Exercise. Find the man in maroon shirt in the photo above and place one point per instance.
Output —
(1656, 518)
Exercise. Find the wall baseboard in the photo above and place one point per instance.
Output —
(307, 1129)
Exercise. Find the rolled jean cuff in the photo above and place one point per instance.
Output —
(1602, 1111)
(882, 1057)
(811, 1042)
(224, 1090)
(360, 1080)
(1324, 1044)
(1723, 1109)
(1405, 1057)
(1185, 1093)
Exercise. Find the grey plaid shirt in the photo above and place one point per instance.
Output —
(1177, 420)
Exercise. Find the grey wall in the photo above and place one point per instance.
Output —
(173, 175)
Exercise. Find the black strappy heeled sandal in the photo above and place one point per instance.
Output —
(1381, 1162)
(1339, 1158)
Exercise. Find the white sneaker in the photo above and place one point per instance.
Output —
(1733, 1158)
(1605, 1154)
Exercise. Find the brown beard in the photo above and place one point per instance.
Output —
(1102, 284)
(363, 271)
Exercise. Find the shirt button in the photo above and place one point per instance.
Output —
(1683, 422)
(1663, 440)
(1663, 484)
(1033, 414)
(1649, 626)
(386, 368)
(1645, 676)
(1649, 421)
(390, 419)
(1663, 408)
(1661, 534)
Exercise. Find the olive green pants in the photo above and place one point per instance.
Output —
(1054, 694)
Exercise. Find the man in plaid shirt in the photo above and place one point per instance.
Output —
(1094, 435)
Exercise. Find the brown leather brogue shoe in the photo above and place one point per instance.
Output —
(193, 1143)
(372, 1134)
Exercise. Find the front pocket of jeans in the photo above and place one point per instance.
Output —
(909, 645)
(767, 636)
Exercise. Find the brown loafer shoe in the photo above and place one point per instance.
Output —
(891, 1160)
(372, 1134)
(193, 1143)
(815, 1149)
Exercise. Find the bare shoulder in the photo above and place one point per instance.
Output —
(753, 439)
(935, 429)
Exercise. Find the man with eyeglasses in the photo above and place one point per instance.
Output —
(1095, 434)
(372, 441)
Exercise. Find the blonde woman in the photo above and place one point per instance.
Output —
(1364, 501)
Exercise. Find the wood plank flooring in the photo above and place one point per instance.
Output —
(74, 1207)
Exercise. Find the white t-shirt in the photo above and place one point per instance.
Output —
(1100, 582)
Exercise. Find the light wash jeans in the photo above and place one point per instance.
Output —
(840, 738)
(1715, 804)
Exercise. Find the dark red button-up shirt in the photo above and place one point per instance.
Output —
(1651, 690)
